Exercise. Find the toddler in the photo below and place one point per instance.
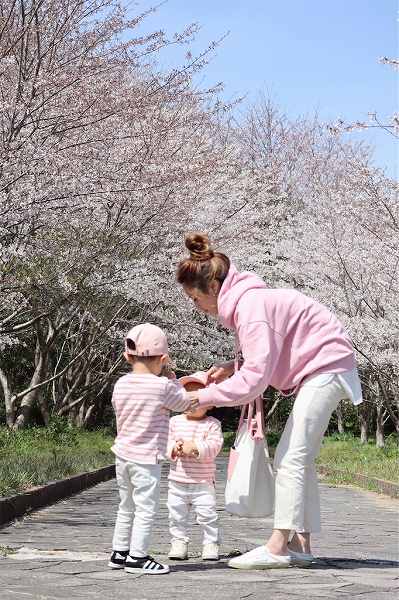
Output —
(195, 440)
(142, 400)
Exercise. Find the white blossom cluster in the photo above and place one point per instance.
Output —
(106, 162)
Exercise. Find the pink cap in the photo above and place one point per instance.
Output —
(148, 340)
(198, 377)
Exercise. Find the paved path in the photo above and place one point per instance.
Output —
(358, 552)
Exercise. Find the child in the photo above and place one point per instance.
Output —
(194, 442)
(142, 400)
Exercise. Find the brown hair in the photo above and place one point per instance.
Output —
(203, 266)
(141, 359)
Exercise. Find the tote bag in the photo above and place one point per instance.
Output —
(250, 480)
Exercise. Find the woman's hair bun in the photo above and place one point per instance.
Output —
(199, 247)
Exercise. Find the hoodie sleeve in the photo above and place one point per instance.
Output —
(261, 348)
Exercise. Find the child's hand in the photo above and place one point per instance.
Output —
(177, 449)
(190, 449)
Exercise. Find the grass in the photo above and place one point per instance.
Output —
(346, 453)
(38, 455)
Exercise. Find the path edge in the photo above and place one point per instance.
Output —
(19, 505)
(389, 488)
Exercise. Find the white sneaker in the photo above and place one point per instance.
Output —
(260, 558)
(210, 551)
(178, 550)
(301, 559)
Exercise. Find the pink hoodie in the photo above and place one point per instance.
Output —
(284, 337)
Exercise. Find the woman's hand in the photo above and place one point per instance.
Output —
(221, 372)
(194, 401)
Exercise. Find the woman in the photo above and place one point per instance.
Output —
(291, 342)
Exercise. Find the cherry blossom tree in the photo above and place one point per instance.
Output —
(334, 234)
(106, 161)
(389, 124)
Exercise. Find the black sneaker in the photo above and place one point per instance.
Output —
(145, 564)
(118, 559)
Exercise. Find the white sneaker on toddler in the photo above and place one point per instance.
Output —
(210, 551)
(178, 550)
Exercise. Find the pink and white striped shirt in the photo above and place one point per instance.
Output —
(142, 404)
(208, 437)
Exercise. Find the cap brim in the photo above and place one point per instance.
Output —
(194, 378)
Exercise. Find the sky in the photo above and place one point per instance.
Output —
(308, 55)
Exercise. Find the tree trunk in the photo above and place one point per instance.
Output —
(28, 401)
(80, 416)
(340, 418)
(379, 432)
(389, 404)
(43, 405)
(9, 405)
(88, 415)
(363, 421)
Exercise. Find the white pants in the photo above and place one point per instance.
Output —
(203, 498)
(297, 502)
(139, 493)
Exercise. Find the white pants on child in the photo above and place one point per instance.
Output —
(297, 501)
(203, 499)
(139, 493)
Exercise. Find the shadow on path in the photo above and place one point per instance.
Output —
(324, 562)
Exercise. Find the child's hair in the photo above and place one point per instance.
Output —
(141, 359)
(203, 266)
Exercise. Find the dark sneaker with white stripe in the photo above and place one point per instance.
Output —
(147, 565)
(118, 559)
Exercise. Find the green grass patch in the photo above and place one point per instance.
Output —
(346, 453)
(229, 437)
(37, 455)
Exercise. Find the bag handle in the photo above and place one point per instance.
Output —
(258, 431)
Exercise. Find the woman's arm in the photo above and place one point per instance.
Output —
(261, 347)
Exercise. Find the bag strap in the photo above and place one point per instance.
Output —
(258, 431)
